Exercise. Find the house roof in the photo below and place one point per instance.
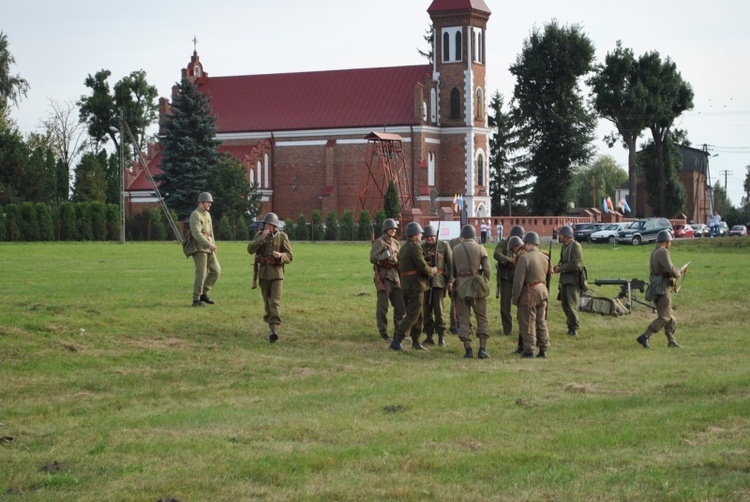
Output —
(440, 5)
(368, 97)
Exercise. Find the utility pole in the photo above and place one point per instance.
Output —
(725, 173)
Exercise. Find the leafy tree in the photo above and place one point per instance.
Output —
(593, 183)
(550, 110)
(90, 185)
(347, 226)
(674, 191)
(746, 187)
(190, 149)
(224, 232)
(429, 37)
(13, 158)
(12, 87)
(721, 202)
(364, 226)
(391, 201)
(332, 226)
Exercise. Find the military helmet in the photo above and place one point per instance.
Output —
(532, 238)
(205, 197)
(429, 231)
(517, 231)
(664, 236)
(413, 228)
(468, 232)
(566, 231)
(271, 219)
(514, 242)
(390, 224)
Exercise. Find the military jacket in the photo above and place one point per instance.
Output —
(444, 263)
(661, 265)
(502, 255)
(202, 229)
(530, 278)
(269, 267)
(571, 262)
(467, 256)
(415, 272)
(384, 255)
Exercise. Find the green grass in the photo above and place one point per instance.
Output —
(156, 399)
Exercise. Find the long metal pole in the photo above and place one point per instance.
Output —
(122, 185)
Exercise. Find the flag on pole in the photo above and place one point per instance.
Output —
(610, 205)
(461, 202)
(605, 206)
(624, 205)
(455, 203)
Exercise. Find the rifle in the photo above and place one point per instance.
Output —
(548, 282)
(434, 261)
(254, 284)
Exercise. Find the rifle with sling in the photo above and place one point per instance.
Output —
(254, 284)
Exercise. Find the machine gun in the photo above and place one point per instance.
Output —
(627, 290)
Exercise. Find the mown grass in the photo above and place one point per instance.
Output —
(158, 400)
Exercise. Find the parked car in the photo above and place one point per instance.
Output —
(644, 230)
(701, 230)
(582, 233)
(608, 233)
(738, 230)
(684, 231)
(723, 229)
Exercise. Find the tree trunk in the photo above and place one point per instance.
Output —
(632, 174)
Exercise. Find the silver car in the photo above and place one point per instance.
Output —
(608, 233)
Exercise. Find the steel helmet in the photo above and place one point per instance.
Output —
(517, 231)
(468, 232)
(390, 224)
(429, 231)
(664, 236)
(271, 219)
(205, 197)
(532, 238)
(514, 242)
(566, 231)
(413, 228)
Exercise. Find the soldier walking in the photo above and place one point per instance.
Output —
(384, 257)
(662, 272)
(438, 254)
(207, 268)
(415, 280)
(506, 257)
(531, 296)
(569, 268)
(272, 251)
(471, 259)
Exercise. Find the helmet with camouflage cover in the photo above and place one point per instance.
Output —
(390, 224)
(271, 219)
(205, 197)
(664, 236)
(517, 231)
(566, 231)
(429, 231)
(413, 228)
(532, 238)
(514, 242)
(468, 232)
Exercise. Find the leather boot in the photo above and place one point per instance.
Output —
(519, 347)
(542, 353)
(396, 343)
(482, 354)
(441, 340)
(643, 340)
(429, 340)
(418, 346)
(469, 353)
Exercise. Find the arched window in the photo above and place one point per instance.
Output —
(478, 44)
(452, 44)
(480, 170)
(259, 172)
(424, 111)
(446, 46)
(433, 106)
(431, 168)
(459, 48)
(265, 164)
(480, 104)
(455, 104)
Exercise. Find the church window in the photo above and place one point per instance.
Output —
(478, 44)
(452, 45)
(431, 168)
(267, 168)
(433, 105)
(259, 172)
(458, 46)
(197, 71)
(424, 111)
(446, 47)
(455, 104)
(480, 104)
(480, 169)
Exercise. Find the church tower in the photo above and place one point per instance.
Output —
(460, 72)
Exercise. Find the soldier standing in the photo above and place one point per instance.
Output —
(415, 280)
(384, 257)
(207, 268)
(569, 268)
(506, 265)
(453, 313)
(664, 272)
(272, 250)
(531, 296)
(470, 259)
(440, 255)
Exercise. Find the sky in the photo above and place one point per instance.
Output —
(58, 44)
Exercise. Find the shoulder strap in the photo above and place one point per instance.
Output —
(471, 265)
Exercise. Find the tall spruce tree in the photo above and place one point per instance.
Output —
(189, 149)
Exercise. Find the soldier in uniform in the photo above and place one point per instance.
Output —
(662, 268)
(453, 313)
(516, 245)
(415, 280)
(384, 257)
(438, 254)
(470, 259)
(569, 268)
(207, 268)
(272, 251)
(506, 265)
(530, 295)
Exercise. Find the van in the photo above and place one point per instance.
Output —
(644, 230)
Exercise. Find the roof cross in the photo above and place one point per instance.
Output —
(195, 43)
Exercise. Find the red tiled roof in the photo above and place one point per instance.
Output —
(438, 5)
(368, 97)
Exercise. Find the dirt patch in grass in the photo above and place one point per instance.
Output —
(591, 389)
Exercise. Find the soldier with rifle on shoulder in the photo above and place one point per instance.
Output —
(438, 254)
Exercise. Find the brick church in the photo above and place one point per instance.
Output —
(326, 140)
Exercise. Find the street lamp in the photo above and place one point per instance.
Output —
(122, 184)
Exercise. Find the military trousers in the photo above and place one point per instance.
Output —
(464, 309)
(391, 294)
(506, 295)
(532, 321)
(207, 272)
(434, 312)
(411, 324)
(665, 317)
(271, 291)
(569, 294)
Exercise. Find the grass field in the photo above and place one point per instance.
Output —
(113, 388)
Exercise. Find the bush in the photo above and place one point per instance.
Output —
(68, 227)
(224, 230)
(379, 218)
(347, 226)
(28, 223)
(156, 226)
(14, 222)
(98, 221)
(364, 226)
(3, 227)
(318, 230)
(113, 222)
(332, 226)
(290, 229)
(83, 217)
(44, 222)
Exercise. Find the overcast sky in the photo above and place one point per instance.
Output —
(57, 44)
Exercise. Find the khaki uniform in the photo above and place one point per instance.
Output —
(207, 268)
(434, 301)
(530, 295)
(384, 257)
(571, 263)
(453, 311)
(271, 271)
(506, 267)
(415, 280)
(661, 265)
(470, 258)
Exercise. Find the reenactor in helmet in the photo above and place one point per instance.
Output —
(438, 254)
(207, 268)
(530, 295)
(470, 259)
(384, 257)
(415, 280)
(506, 257)
(569, 268)
(272, 251)
(662, 271)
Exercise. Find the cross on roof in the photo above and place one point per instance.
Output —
(195, 43)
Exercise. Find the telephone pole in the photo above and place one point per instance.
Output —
(725, 173)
